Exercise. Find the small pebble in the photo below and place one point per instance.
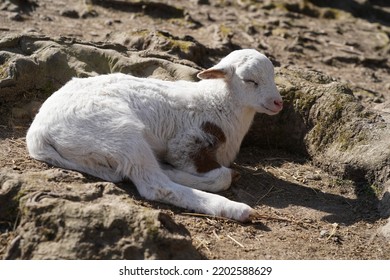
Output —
(324, 233)
(314, 177)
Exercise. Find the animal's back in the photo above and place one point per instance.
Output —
(84, 121)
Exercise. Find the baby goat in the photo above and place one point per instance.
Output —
(174, 140)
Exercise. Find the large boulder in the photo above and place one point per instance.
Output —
(60, 216)
(324, 120)
(39, 64)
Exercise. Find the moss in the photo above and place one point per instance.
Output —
(344, 139)
(363, 93)
(153, 232)
(279, 6)
(281, 32)
(343, 183)
(141, 33)
(21, 193)
(89, 8)
(348, 138)
(304, 101)
(315, 77)
(376, 190)
(184, 46)
(225, 31)
(328, 123)
(150, 226)
(170, 42)
(4, 70)
(335, 125)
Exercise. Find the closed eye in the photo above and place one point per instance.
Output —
(251, 82)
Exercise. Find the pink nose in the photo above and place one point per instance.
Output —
(278, 104)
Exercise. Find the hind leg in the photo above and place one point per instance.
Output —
(94, 162)
(101, 144)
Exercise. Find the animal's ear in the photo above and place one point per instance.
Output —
(219, 71)
(212, 74)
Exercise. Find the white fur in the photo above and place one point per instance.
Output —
(118, 126)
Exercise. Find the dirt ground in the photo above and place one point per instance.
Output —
(308, 214)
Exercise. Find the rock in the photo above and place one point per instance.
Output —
(251, 30)
(202, 2)
(363, 9)
(303, 7)
(88, 12)
(16, 17)
(322, 119)
(163, 42)
(324, 233)
(24, 6)
(385, 230)
(150, 8)
(109, 22)
(84, 220)
(70, 13)
(56, 61)
(45, 18)
(384, 204)
(27, 111)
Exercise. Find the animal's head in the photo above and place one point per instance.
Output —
(250, 75)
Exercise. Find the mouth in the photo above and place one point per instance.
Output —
(268, 110)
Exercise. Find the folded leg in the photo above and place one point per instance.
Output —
(213, 181)
(192, 159)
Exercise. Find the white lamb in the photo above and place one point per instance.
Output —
(174, 140)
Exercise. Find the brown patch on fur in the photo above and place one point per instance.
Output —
(214, 130)
(205, 158)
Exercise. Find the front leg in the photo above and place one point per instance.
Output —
(192, 158)
(213, 181)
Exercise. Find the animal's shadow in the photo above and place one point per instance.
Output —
(343, 202)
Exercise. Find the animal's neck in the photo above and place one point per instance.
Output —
(240, 122)
(245, 118)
